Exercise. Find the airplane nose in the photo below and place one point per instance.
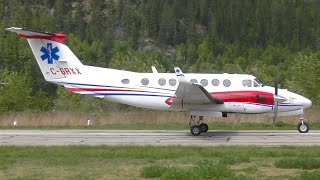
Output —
(305, 102)
(299, 100)
(308, 103)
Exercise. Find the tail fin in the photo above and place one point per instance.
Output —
(54, 57)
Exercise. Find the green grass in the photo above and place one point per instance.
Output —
(299, 163)
(310, 175)
(173, 126)
(203, 170)
(234, 159)
(174, 162)
(250, 169)
(153, 171)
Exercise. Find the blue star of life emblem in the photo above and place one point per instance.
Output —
(50, 53)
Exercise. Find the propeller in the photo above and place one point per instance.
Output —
(277, 99)
(275, 107)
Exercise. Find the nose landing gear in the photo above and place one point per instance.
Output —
(303, 126)
(197, 127)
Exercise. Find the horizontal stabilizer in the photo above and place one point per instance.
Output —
(28, 32)
(37, 34)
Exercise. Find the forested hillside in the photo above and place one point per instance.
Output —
(235, 36)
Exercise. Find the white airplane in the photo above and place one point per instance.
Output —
(213, 95)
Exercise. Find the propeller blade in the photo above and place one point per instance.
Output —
(276, 83)
(276, 98)
(275, 109)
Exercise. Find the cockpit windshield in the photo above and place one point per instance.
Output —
(259, 82)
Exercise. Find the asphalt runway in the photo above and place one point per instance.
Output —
(157, 138)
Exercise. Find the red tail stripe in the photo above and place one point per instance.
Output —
(54, 37)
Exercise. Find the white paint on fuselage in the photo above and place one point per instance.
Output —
(153, 96)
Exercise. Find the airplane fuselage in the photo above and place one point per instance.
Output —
(241, 93)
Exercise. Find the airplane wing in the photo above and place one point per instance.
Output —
(189, 93)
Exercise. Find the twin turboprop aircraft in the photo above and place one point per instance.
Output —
(213, 95)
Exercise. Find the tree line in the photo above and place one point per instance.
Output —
(209, 36)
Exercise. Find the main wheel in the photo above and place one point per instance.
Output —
(195, 130)
(303, 127)
(204, 127)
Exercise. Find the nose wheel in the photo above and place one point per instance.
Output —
(303, 126)
(197, 126)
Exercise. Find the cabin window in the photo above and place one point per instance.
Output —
(215, 82)
(255, 84)
(145, 81)
(172, 82)
(204, 82)
(247, 83)
(162, 82)
(125, 81)
(194, 81)
(226, 82)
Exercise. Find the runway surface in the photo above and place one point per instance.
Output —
(156, 137)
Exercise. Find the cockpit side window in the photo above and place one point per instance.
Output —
(259, 82)
(247, 83)
(255, 84)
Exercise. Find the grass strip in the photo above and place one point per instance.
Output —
(203, 170)
(169, 162)
(299, 163)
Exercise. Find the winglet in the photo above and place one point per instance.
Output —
(180, 75)
(178, 71)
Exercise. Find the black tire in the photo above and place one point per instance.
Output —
(303, 128)
(204, 127)
(195, 130)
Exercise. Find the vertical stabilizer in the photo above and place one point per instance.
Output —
(54, 57)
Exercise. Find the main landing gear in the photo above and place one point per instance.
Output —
(197, 126)
(303, 126)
